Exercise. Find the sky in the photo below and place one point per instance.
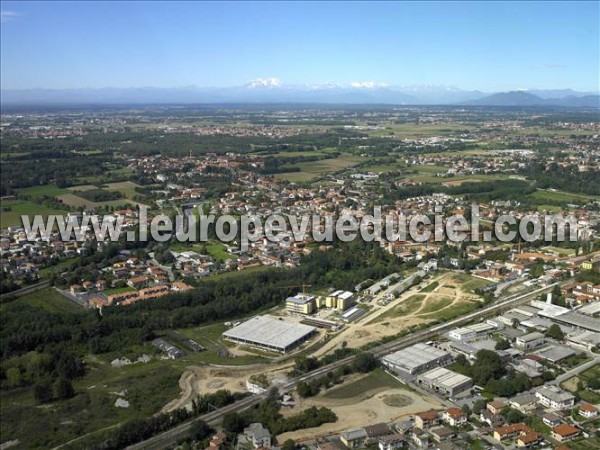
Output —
(490, 46)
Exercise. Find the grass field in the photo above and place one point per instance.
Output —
(127, 188)
(78, 202)
(218, 251)
(430, 287)
(119, 290)
(560, 196)
(47, 299)
(592, 443)
(469, 283)
(405, 308)
(314, 169)
(378, 379)
(435, 305)
(22, 207)
(49, 190)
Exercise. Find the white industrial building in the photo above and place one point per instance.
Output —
(417, 359)
(471, 331)
(270, 333)
(445, 381)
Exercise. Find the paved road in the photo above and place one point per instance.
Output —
(171, 437)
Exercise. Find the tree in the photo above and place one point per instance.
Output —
(64, 389)
(465, 408)
(289, 444)
(13, 375)
(233, 422)
(364, 362)
(42, 392)
(479, 405)
(487, 366)
(502, 345)
(200, 430)
(513, 415)
(555, 332)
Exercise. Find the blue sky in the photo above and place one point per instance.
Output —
(472, 45)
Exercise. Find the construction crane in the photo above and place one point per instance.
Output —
(303, 286)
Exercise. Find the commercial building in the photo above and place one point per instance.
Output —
(471, 331)
(529, 341)
(269, 333)
(445, 381)
(417, 359)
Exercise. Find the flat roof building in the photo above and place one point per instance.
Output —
(269, 333)
(445, 381)
(417, 359)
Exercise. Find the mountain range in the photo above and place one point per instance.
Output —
(271, 90)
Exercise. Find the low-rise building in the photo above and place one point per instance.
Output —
(454, 417)
(554, 397)
(588, 411)
(426, 419)
(529, 341)
(354, 438)
(565, 432)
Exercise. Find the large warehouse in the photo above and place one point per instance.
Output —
(417, 359)
(269, 333)
(445, 381)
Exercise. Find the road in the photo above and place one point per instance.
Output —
(173, 436)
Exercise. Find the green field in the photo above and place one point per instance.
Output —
(404, 308)
(376, 380)
(49, 190)
(47, 299)
(433, 306)
(12, 218)
(218, 251)
(313, 169)
(121, 290)
(592, 443)
(430, 287)
(560, 196)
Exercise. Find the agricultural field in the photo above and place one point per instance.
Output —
(315, 169)
(48, 299)
(573, 384)
(23, 207)
(363, 386)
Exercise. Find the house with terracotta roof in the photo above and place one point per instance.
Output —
(588, 410)
(426, 419)
(454, 417)
(565, 432)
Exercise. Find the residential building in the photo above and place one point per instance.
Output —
(454, 417)
(554, 397)
(354, 438)
(565, 432)
(426, 419)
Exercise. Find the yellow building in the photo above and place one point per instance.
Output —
(300, 304)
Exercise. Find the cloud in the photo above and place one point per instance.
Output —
(265, 82)
(367, 84)
(6, 15)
